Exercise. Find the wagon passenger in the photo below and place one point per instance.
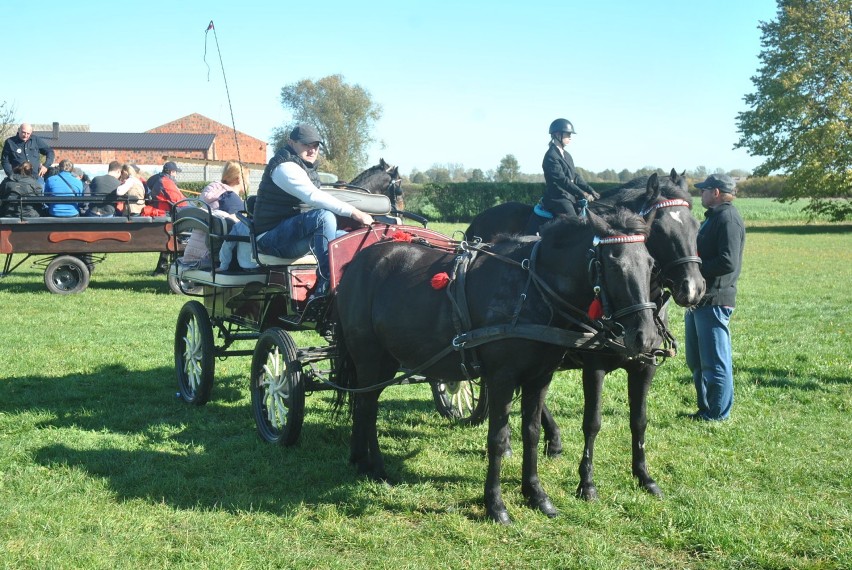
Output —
(63, 183)
(290, 181)
(564, 187)
(21, 183)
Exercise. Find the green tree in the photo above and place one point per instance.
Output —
(509, 169)
(800, 117)
(8, 124)
(476, 175)
(344, 115)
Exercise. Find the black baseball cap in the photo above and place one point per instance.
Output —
(721, 182)
(305, 134)
(171, 167)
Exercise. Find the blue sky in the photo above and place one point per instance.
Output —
(646, 83)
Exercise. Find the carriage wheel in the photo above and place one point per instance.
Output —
(277, 389)
(195, 361)
(464, 402)
(183, 286)
(66, 274)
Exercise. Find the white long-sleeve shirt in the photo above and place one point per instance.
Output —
(294, 180)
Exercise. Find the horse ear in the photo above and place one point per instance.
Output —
(652, 189)
(383, 164)
(395, 173)
(673, 175)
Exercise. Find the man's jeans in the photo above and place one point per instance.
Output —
(296, 236)
(708, 355)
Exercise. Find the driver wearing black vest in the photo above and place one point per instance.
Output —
(289, 181)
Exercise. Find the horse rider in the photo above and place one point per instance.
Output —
(564, 187)
(289, 182)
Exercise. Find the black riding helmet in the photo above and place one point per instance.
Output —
(562, 126)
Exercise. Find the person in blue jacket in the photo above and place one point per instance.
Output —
(721, 241)
(24, 147)
(63, 183)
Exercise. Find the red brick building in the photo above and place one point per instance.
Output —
(192, 137)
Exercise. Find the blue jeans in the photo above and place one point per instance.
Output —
(708, 355)
(296, 236)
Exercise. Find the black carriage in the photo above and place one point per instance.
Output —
(267, 304)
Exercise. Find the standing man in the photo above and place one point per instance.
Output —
(164, 193)
(289, 182)
(102, 186)
(24, 147)
(721, 240)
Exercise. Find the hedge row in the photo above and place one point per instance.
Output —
(460, 202)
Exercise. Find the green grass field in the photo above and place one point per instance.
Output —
(101, 466)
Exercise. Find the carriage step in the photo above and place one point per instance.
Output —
(315, 312)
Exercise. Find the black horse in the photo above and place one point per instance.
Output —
(391, 315)
(672, 244)
(381, 179)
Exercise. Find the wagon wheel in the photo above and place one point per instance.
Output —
(183, 286)
(464, 402)
(66, 274)
(277, 388)
(195, 361)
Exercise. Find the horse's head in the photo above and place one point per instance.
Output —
(382, 178)
(616, 265)
(673, 238)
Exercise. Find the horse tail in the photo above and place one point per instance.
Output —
(344, 372)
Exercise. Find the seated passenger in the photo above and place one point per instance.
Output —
(63, 183)
(131, 186)
(289, 182)
(104, 187)
(224, 199)
(242, 248)
(22, 182)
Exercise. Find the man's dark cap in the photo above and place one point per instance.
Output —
(171, 167)
(305, 134)
(721, 182)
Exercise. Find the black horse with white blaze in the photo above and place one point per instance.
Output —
(522, 291)
(672, 244)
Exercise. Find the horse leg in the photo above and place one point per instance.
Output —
(638, 384)
(552, 434)
(499, 406)
(365, 452)
(532, 404)
(592, 388)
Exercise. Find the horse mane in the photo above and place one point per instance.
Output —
(619, 221)
(672, 186)
(382, 167)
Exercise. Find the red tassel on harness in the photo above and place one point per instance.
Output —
(440, 281)
(401, 236)
(596, 309)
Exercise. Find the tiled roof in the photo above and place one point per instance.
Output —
(62, 127)
(131, 141)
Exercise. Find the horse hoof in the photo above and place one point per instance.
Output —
(507, 454)
(588, 493)
(546, 507)
(653, 489)
(553, 451)
(500, 517)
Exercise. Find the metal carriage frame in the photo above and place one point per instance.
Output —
(265, 306)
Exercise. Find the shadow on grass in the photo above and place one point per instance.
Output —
(810, 229)
(129, 429)
(780, 378)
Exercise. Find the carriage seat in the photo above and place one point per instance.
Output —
(272, 261)
(219, 278)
